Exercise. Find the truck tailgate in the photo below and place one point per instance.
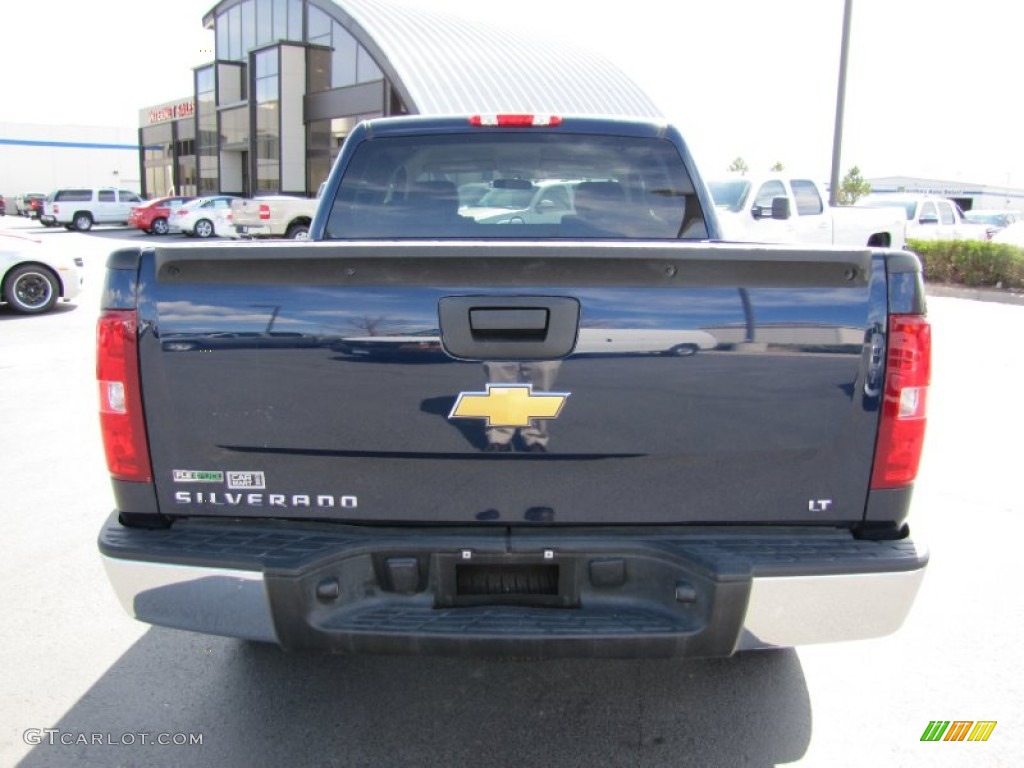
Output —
(246, 213)
(703, 383)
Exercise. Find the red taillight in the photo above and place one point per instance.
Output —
(264, 211)
(56, 209)
(515, 121)
(904, 402)
(117, 371)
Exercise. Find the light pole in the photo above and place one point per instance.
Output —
(837, 139)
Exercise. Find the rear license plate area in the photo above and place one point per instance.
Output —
(529, 580)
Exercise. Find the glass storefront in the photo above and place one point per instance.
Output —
(251, 131)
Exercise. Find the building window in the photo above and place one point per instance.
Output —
(367, 70)
(264, 22)
(351, 64)
(207, 138)
(234, 17)
(343, 60)
(295, 20)
(222, 36)
(234, 129)
(318, 70)
(158, 159)
(280, 19)
(185, 150)
(253, 23)
(319, 27)
(268, 122)
(248, 26)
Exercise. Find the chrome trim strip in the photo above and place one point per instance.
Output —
(217, 601)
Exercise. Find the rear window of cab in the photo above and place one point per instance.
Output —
(516, 186)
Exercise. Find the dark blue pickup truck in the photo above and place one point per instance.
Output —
(514, 398)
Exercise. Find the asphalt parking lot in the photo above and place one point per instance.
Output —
(76, 669)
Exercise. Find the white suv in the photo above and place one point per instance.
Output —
(81, 208)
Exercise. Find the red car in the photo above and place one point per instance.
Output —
(151, 217)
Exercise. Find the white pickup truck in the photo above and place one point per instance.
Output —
(777, 208)
(929, 218)
(272, 216)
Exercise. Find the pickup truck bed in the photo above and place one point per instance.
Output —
(733, 472)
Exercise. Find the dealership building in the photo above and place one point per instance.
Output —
(291, 78)
(967, 195)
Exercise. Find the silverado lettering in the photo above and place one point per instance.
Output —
(272, 499)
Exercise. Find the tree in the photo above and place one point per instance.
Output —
(853, 187)
(777, 167)
(740, 165)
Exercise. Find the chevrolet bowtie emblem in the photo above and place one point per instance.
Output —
(508, 405)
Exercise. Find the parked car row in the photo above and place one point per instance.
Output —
(81, 208)
(153, 217)
(201, 217)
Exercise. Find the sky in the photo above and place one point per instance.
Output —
(931, 92)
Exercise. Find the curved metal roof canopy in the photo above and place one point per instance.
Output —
(440, 64)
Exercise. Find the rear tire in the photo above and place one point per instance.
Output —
(83, 221)
(684, 350)
(298, 232)
(31, 289)
(203, 228)
(159, 226)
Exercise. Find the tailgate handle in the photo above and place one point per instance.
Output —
(508, 327)
(511, 323)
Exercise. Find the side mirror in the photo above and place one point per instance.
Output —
(928, 218)
(780, 208)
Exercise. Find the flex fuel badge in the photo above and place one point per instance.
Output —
(197, 476)
(236, 481)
